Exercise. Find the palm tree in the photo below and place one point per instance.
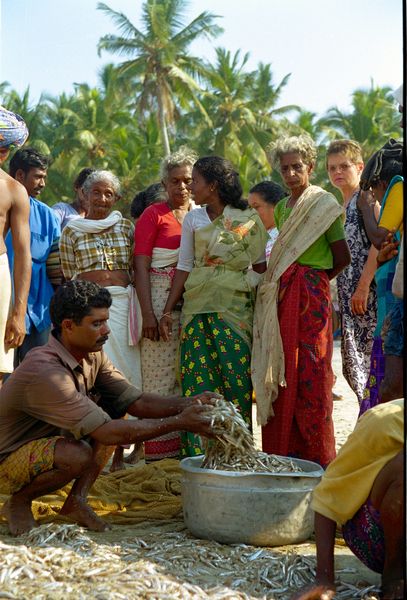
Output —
(159, 57)
(373, 120)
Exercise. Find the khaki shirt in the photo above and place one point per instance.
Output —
(50, 391)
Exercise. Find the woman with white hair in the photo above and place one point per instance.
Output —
(292, 332)
(99, 248)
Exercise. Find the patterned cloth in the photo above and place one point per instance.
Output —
(214, 357)
(158, 364)
(13, 130)
(385, 302)
(22, 465)
(218, 308)
(376, 375)
(302, 424)
(110, 249)
(357, 330)
(365, 537)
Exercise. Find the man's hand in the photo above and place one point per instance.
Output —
(206, 398)
(196, 418)
(15, 331)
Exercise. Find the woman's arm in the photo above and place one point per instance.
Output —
(340, 256)
(370, 213)
(360, 297)
(175, 295)
(141, 266)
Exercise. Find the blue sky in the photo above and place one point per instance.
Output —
(330, 47)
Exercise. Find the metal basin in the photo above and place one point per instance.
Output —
(261, 509)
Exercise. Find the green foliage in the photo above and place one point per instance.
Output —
(161, 96)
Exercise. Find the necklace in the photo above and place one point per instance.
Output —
(178, 213)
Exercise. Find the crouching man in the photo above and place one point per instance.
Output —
(62, 408)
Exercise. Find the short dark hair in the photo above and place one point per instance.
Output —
(215, 169)
(151, 195)
(270, 191)
(75, 300)
(26, 159)
(82, 177)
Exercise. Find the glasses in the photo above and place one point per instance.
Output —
(340, 168)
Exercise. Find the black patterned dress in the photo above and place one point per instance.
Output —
(357, 330)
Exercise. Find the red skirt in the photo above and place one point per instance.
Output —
(302, 425)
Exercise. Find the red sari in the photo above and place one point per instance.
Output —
(302, 425)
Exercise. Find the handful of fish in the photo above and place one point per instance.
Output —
(233, 449)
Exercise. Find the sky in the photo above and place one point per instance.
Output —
(330, 47)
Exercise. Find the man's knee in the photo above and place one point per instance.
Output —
(73, 455)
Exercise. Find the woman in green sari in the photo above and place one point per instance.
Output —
(220, 243)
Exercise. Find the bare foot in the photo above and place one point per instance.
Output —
(19, 516)
(136, 455)
(76, 509)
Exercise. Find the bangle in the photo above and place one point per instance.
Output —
(167, 314)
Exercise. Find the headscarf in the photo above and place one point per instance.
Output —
(391, 151)
(13, 130)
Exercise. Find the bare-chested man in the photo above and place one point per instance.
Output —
(14, 215)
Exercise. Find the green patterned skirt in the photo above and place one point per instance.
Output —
(213, 357)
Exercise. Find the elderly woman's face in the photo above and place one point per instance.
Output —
(294, 171)
(101, 198)
(177, 185)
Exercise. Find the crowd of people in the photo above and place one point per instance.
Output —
(118, 332)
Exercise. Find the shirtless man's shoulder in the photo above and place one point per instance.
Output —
(13, 200)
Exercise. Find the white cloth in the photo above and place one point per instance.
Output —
(6, 358)
(96, 225)
(193, 220)
(164, 257)
(273, 235)
(125, 357)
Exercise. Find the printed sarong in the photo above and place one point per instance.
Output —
(158, 364)
(215, 358)
(302, 424)
(28, 461)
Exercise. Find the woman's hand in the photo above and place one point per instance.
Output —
(358, 302)
(166, 327)
(389, 249)
(150, 327)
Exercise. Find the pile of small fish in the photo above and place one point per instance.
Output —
(234, 448)
(153, 561)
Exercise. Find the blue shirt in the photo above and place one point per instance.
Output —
(45, 231)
